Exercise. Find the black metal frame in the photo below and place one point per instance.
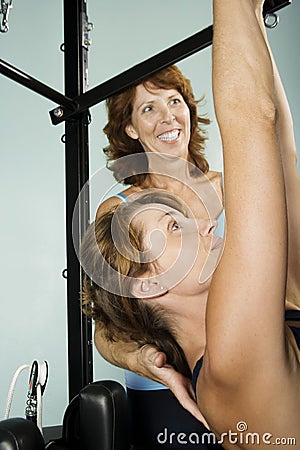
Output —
(80, 355)
(172, 55)
(73, 109)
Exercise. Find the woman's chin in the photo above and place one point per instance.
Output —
(209, 268)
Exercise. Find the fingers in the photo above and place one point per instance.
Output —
(155, 363)
(160, 360)
(184, 393)
(150, 354)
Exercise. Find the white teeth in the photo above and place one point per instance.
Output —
(169, 136)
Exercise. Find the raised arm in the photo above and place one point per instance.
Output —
(246, 301)
(286, 141)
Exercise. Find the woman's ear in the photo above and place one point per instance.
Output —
(130, 130)
(147, 288)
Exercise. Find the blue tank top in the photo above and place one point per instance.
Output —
(122, 197)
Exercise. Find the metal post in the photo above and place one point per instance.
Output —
(77, 173)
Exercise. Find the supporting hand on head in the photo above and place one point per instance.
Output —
(153, 364)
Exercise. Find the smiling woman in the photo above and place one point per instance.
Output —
(160, 120)
(127, 120)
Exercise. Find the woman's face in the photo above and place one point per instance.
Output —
(185, 250)
(160, 120)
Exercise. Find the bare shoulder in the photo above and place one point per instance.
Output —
(216, 178)
(109, 203)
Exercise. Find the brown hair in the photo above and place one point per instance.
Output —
(121, 316)
(119, 110)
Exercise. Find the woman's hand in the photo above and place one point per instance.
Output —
(152, 364)
(149, 362)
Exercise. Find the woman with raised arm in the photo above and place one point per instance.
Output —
(251, 359)
(228, 329)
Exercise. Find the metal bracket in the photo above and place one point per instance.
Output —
(86, 28)
(86, 42)
(4, 10)
(272, 6)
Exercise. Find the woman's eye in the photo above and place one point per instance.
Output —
(175, 101)
(147, 109)
(174, 226)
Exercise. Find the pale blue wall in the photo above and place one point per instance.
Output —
(33, 323)
(33, 317)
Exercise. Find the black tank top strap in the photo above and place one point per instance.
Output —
(294, 315)
(196, 371)
(296, 333)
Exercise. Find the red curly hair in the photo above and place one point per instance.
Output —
(119, 110)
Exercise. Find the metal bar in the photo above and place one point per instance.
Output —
(272, 6)
(172, 55)
(31, 83)
(77, 174)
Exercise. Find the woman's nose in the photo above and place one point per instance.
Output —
(166, 114)
(207, 227)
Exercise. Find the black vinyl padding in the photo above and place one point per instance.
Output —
(20, 434)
